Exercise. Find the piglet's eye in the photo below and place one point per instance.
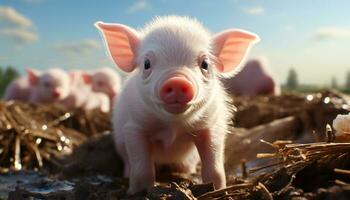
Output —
(147, 64)
(47, 84)
(100, 83)
(204, 64)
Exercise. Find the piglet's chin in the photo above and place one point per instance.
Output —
(176, 108)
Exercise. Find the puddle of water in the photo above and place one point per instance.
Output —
(32, 182)
(37, 183)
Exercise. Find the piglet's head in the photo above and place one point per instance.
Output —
(51, 85)
(178, 61)
(105, 80)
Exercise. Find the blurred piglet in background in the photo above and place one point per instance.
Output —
(78, 89)
(73, 89)
(19, 89)
(81, 94)
(48, 86)
(97, 100)
(255, 78)
(173, 109)
(39, 87)
(107, 81)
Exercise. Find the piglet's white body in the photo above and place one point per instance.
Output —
(107, 81)
(81, 94)
(173, 109)
(78, 90)
(97, 100)
(48, 86)
(39, 86)
(170, 139)
(18, 89)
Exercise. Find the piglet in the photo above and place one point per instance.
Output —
(105, 80)
(48, 86)
(19, 89)
(79, 87)
(81, 94)
(173, 109)
(39, 87)
(255, 78)
(97, 100)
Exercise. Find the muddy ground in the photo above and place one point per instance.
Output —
(48, 152)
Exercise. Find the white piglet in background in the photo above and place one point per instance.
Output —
(78, 90)
(49, 86)
(39, 87)
(173, 109)
(255, 78)
(19, 89)
(81, 94)
(106, 80)
(97, 100)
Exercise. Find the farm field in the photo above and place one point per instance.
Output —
(75, 158)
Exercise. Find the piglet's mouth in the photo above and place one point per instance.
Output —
(176, 108)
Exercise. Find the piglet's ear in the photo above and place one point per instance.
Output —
(122, 43)
(231, 47)
(87, 78)
(33, 76)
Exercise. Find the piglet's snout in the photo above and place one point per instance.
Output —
(56, 94)
(177, 90)
(113, 94)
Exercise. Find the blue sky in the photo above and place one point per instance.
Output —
(311, 36)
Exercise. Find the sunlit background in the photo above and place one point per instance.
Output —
(313, 37)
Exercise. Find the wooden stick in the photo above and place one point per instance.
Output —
(17, 161)
(342, 171)
(265, 191)
(245, 143)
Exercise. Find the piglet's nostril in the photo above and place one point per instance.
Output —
(169, 90)
(56, 94)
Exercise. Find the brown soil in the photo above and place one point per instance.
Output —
(93, 169)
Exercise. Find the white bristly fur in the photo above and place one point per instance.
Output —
(145, 134)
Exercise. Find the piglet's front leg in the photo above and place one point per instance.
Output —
(211, 151)
(142, 172)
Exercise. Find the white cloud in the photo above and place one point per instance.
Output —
(16, 26)
(332, 32)
(12, 17)
(81, 47)
(139, 5)
(19, 35)
(256, 10)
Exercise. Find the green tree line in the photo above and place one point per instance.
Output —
(6, 76)
(292, 84)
